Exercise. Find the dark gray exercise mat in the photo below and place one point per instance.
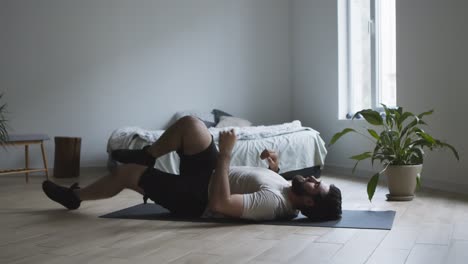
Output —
(350, 218)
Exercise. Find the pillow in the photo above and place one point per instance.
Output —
(218, 114)
(230, 121)
(208, 124)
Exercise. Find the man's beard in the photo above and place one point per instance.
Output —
(298, 186)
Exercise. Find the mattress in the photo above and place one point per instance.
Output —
(296, 150)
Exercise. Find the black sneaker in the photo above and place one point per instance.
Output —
(138, 156)
(62, 195)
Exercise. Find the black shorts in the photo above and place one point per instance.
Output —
(185, 194)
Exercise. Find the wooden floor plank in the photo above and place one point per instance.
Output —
(458, 252)
(359, 248)
(286, 249)
(427, 254)
(388, 256)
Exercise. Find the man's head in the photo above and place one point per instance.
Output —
(318, 201)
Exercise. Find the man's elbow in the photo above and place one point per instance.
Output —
(216, 206)
(231, 206)
(220, 206)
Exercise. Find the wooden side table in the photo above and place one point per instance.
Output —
(26, 140)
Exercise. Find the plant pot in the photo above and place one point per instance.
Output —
(401, 181)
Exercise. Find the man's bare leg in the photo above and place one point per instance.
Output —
(188, 134)
(125, 176)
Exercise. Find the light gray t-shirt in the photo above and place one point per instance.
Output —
(265, 193)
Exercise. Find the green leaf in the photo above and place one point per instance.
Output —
(418, 182)
(371, 116)
(362, 156)
(419, 154)
(375, 154)
(455, 152)
(410, 125)
(386, 139)
(400, 110)
(372, 185)
(387, 114)
(425, 113)
(404, 116)
(373, 134)
(3, 123)
(355, 165)
(421, 142)
(339, 135)
(402, 119)
(426, 136)
(415, 156)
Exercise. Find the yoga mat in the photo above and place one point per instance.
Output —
(350, 218)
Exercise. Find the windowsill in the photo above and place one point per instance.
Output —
(349, 116)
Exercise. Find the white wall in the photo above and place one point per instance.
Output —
(432, 41)
(83, 68)
(315, 71)
(431, 73)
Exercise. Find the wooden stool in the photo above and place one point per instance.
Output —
(26, 140)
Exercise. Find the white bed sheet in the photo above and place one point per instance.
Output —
(297, 150)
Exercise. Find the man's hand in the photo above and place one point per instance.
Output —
(227, 140)
(272, 158)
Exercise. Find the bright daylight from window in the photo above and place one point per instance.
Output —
(371, 58)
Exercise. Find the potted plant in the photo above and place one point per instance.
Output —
(3, 121)
(399, 147)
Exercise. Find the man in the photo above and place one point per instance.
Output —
(239, 192)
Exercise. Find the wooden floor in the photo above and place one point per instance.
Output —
(431, 229)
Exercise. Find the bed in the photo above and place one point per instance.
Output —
(301, 150)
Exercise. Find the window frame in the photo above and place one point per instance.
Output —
(375, 60)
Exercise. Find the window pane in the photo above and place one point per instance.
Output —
(359, 53)
(387, 52)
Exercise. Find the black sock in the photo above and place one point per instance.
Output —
(62, 195)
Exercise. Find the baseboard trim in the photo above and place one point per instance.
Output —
(431, 184)
(348, 172)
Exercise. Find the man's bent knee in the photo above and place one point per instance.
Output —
(190, 121)
(195, 137)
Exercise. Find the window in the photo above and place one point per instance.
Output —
(367, 38)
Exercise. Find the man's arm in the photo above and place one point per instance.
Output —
(221, 200)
